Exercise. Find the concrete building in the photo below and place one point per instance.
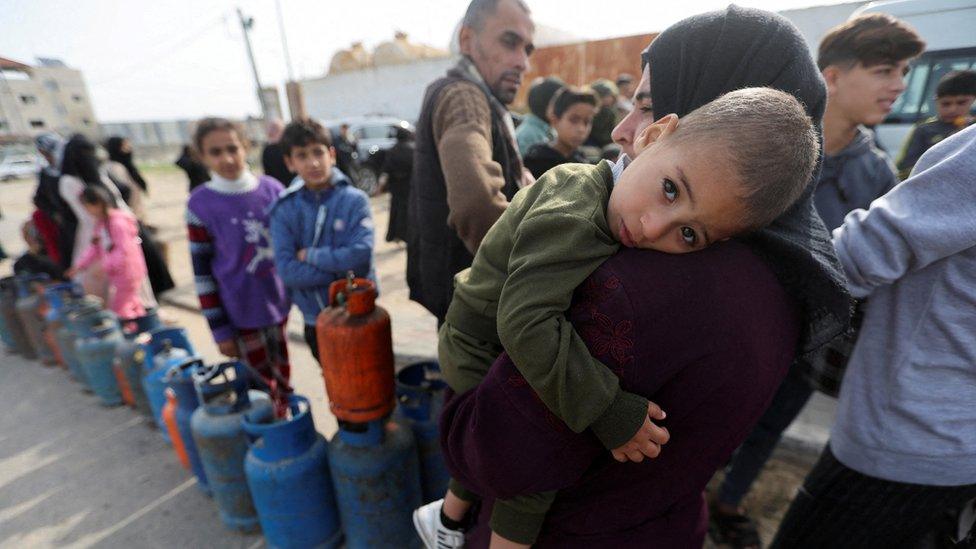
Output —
(49, 96)
(391, 80)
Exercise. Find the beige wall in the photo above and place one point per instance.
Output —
(51, 99)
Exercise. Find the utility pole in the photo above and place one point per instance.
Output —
(284, 41)
(293, 90)
(246, 24)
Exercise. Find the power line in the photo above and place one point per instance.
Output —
(184, 41)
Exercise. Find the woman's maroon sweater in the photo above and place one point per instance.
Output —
(708, 336)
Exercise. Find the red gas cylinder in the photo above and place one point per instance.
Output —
(356, 352)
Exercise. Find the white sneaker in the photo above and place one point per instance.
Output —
(427, 521)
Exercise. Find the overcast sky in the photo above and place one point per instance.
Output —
(165, 59)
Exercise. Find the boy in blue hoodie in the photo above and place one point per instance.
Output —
(321, 226)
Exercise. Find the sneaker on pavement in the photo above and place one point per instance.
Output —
(427, 521)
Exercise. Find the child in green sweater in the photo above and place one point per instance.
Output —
(730, 167)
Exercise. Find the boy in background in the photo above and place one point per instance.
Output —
(535, 126)
(863, 63)
(606, 117)
(954, 99)
(571, 116)
(321, 226)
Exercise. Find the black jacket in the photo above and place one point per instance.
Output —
(542, 157)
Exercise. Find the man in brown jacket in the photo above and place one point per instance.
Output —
(467, 166)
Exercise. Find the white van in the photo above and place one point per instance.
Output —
(949, 30)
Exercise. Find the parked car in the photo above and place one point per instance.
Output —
(372, 136)
(947, 28)
(17, 165)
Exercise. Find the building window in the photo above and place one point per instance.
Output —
(51, 85)
(28, 99)
(37, 123)
(3, 124)
(86, 121)
(77, 98)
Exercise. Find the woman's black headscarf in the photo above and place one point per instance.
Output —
(116, 154)
(80, 160)
(705, 56)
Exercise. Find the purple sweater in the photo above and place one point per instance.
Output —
(709, 336)
(233, 261)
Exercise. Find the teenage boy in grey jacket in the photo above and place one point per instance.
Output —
(903, 448)
(862, 62)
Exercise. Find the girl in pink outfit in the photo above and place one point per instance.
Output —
(116, 246)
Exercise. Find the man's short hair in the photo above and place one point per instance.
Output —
(302, 132)
(870, 40)
(541, 93)
(957, 83)
(479, 10)
(569, 96)
(766, 135)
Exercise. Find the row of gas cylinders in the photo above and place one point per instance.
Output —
(277, 474)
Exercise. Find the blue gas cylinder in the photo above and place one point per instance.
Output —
(76, 314)
(377, 482)
(167, 347)
(130, 356)
(287, 470)
(6, 336)
(15, 329)
(220, 439)
(96, 354)
(80, 324)
(179, 378)
(30, 319)
(420, 399)
(58, 296)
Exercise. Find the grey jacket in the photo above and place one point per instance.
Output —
(907, 410)
(852, 179)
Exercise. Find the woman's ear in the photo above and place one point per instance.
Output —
(655, 131)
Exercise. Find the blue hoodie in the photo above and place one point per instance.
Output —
(335, 226)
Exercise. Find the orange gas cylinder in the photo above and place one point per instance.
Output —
(123, 381)
(169, 418)
(356, 350)
(50, 336)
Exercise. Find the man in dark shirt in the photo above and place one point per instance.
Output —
(954, 99)
(272, 158)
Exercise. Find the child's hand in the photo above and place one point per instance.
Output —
(228, 348)
(302, 254)
(647, 441)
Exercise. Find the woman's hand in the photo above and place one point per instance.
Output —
(228, 348)
(647, 441)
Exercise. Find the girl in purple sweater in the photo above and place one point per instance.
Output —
(240, 292)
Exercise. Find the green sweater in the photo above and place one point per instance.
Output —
(516, 293)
